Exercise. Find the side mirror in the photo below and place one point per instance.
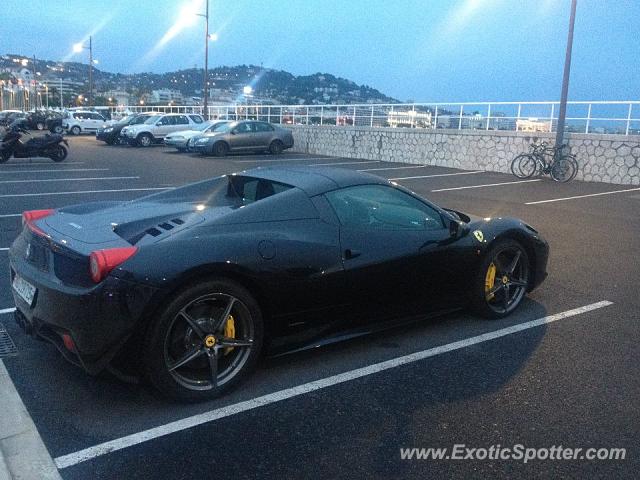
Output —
(233, 132)
(457, 229)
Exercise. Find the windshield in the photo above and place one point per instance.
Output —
(152, 119)
(217, 127)
(138, 119)
(223, 127)
(202, 127)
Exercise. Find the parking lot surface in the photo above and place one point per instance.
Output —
(569, 380)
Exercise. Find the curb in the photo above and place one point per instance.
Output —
(23, 455)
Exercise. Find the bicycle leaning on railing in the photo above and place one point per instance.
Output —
(543, 159)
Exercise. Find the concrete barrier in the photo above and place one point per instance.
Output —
(602, 158)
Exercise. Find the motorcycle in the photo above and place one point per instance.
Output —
(50, 146)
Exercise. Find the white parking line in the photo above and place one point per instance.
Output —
(56, 171)
(438, 175)
(391, 168)
(39, 163)
(342, 163)
(11, 215)
(4, 249)
(83, 192)
(67, 179)
(582, 196)
(86, 454)
(260, 160)
(486, 185)
(7, 310)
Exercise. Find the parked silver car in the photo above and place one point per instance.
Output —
(180, 139)
(247, 135)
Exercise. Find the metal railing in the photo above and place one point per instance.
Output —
(603, 117)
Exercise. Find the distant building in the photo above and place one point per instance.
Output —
(533, 125)
(165, 96)
(118, 97)
(64, 86)
(410, 118)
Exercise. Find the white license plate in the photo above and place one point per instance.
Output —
(24, 289)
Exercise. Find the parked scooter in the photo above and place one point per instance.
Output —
(50, 146)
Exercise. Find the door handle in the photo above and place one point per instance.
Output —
(350, 253)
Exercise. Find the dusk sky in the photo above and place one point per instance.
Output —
(424, 50)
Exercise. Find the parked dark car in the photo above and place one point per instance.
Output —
(54, 122)
(8, 117)
(110, 134)
(37, 120)
(243, 136)
(194, 283)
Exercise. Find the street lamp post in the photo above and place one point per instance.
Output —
(78, 47)
(565, 78)
(205, 83)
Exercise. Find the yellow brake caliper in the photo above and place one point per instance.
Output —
(490, 280)
(229, 332)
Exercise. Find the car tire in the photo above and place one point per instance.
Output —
(144, 140)
(276, 147)
(220, 149)
(171, 337)
(58, 129)
(4, 157)
(40, 126)
(58, 153)
(109, 141)
(75, 130)
(497, 295)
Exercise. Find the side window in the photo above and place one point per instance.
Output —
(196, 118)
(97, 116)
(382, 207)
(243, 127)
(263, 127)
(182, 120)
(253, 189)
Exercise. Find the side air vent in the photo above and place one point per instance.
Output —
(154, 232)
(177, 221)
(166, 226)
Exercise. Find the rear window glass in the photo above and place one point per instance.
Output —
(251, 189)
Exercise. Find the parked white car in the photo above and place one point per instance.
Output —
(83, 121)
(180, 139)
(157, 127)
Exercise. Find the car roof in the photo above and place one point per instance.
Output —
(314, 180)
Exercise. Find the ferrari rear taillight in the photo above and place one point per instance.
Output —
(31, 216)
(101, 262)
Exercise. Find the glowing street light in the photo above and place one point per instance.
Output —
(77, 48)
(188, 12)
(247, 90)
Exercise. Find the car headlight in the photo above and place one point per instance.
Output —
(108, 129)
(179, 137)
(202, 141)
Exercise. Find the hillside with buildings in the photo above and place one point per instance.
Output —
(68, 82)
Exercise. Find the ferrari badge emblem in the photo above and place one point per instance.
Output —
(479, 235)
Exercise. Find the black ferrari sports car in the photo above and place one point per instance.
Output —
(191, 285)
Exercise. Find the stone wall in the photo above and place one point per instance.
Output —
(602, 158)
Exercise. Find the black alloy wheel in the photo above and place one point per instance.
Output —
(502, 280)
(276, 147)
(220, 149)
(205, 342)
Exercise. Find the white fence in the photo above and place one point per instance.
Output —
(605, 117)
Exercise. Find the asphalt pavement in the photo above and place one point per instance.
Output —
(346, 410)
